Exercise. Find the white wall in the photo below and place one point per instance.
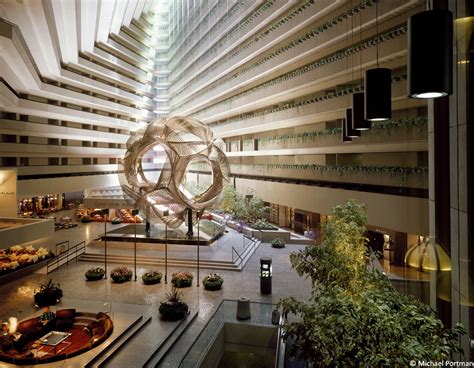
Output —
(8, 193)
(28, 188)
(398, 213)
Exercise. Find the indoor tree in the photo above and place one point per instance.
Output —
(229, 199)
(255, 209)
(354, 316)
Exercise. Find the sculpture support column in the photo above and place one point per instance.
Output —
(190, 232)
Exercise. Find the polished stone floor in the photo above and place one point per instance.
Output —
(17, 296)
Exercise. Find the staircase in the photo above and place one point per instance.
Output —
(119, 342)
(141, 345)
(237, 264)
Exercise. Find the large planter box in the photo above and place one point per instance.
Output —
(268, 235)
(15, 275)
(264, 235)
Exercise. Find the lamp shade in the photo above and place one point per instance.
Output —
(12, 325)
(378, 94)
(345, 138)
(430, 54)
(352, 133)
(358, 120)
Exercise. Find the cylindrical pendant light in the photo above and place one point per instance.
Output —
(430, 54)
(351, 133)
(345, 138)
(378, 94)
(358, 121)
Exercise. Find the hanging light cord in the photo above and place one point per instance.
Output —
(377, 32)
(360, 41)
(352, 43)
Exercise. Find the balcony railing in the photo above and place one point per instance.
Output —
(411, 177)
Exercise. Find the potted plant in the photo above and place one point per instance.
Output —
(173, 308)
(121, 274)
(278, 243)
(152, 277)
(182, 279)
(86, 219)
(213, 281)
(49, 293)
(95, 273)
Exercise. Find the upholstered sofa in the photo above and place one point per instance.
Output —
(97, 326)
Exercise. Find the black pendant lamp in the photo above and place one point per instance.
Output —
(345, 138)
(358, 120)
(378, 94)
(430, 54)
(351, 132)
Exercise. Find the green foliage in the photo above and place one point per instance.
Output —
(262, 224)
(121, 274)
(234, 204)
(211, 228)
(380, 328)
(213, 281)
(182, 279)
(419, 122)
(229, 199)
(173, 308)
(95, 273)
(174, 296)
(354, 316)
(194, 188)
(49, 293)
(278, 243)
(255, 209)
(151, 277)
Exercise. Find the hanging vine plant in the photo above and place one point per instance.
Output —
(419, 122)
(301, 39)
(396, 171)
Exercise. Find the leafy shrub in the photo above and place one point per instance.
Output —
(278, 243)
(182, 279)
(152, 277)
(234, 204)
(95, 273)
(355, 317)
(173, 308)
(255, 209)
(211, 228)
(121, 274)
(262, 224)
(213, 281)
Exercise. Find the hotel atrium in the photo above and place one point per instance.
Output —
(236, 183)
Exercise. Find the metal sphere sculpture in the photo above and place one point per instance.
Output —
(177, 142)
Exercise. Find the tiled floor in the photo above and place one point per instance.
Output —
(402, 273)
(17, 296)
